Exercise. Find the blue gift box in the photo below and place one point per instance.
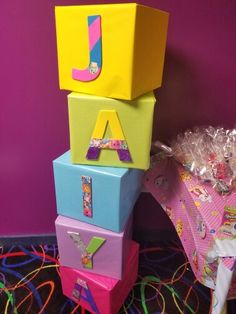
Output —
(102, 196)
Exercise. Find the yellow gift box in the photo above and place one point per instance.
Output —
(111, 50)
(111, 132)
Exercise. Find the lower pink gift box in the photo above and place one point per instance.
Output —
(99, 294)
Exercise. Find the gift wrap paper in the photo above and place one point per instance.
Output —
(111, 132)
(99, 294)
(86, 247)
(205, 223)
(102, 196)
(109, 49)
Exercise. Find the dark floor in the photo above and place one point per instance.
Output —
(30, 283)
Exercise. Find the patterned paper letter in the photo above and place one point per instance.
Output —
(95, 52)
(88, 252)
(81, 291)
(117, 142)
(87, 195)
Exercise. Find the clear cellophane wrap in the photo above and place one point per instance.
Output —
(210, 154)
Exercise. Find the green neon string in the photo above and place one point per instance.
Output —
(145, 281)
(9, 295)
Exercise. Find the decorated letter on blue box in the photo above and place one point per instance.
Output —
(102, 196)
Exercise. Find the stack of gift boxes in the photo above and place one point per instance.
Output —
(111, 58)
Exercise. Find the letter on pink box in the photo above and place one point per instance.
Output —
(99, 294)
(89, 248)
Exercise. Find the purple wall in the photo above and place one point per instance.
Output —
(197, 89)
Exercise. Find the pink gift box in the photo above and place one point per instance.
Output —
(87, 247)
(99, 294)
